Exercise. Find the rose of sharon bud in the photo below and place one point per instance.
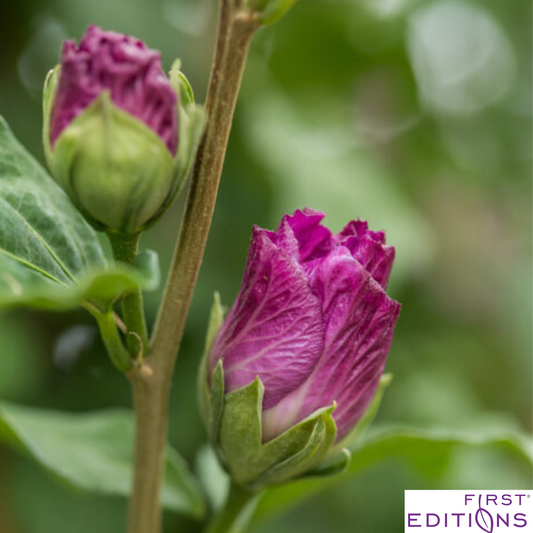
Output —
(119, 136)
(302, 349)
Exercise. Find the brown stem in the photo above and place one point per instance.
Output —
(237, 499)
(150, 399)
(232, 49)
(151, 380)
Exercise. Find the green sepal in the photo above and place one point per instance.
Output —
(216, 410)
(322, 431)
(181, 85)
(216, 318)
(254, 464)
(49, 92)
(116, 170)
(338, 464)
(191, 127)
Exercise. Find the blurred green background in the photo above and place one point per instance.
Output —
(412, 114)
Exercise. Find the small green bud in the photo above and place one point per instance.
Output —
(119, 136)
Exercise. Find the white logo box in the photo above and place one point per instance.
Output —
(472, 511)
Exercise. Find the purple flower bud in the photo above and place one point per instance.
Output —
(312, 320)
(124, 66)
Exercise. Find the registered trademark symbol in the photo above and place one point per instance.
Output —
(529, 495)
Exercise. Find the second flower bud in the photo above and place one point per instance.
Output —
(119, 136)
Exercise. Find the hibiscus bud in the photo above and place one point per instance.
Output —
(119, 136)
(297, 360)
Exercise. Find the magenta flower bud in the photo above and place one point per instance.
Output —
(112, 122)
(312, 321)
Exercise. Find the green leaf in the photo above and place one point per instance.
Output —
(49, 256)
(94, 452)
(427, 450)
(39, 227)
(23, 287)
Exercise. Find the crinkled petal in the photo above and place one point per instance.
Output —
(314, 240)
(274, 329)
(359, 320)
(359, 228)
(285, 239)
(376, 258)
(368, 247)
